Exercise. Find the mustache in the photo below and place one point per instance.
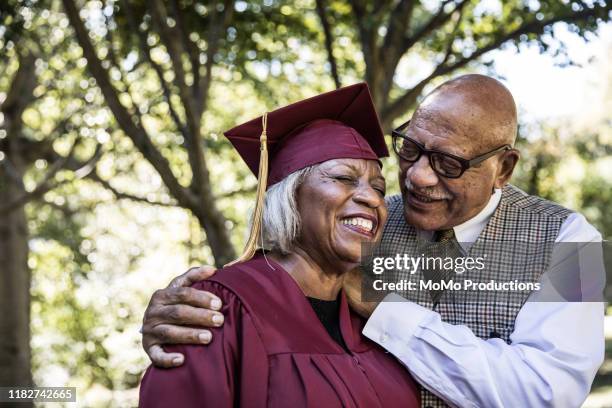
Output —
(433, 193)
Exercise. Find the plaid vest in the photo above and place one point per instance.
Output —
(525, 225)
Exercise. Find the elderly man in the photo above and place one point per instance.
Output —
(456, 158)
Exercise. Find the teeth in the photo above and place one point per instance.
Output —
(423, 198)
(358, 221)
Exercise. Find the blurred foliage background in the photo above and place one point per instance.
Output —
(115, 177)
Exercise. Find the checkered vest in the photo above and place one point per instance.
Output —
(526, 225)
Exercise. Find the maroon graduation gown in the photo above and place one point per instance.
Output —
(273, 351)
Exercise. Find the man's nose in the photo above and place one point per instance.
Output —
(420, 174)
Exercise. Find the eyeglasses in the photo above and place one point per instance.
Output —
(444, 164)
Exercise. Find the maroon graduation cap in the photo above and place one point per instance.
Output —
(335, 125)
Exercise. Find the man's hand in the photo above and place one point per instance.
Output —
(175, 307)
(352, 289)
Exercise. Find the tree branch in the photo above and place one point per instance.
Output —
(367, 39)
(12, 172)
(29, 150)
(47, 183)
(392, 48)
(19, 95)
(21, 85)
(408, 99)
(214, 35)
(328, 42)
(188, 45)
(434, 23)
(145, 49)
(194, 147)
(238, 192)
(201, 179)
(25, 198)
(124, 196)
(175, 51)
(114, 62)
(398, 22)
(135, 132)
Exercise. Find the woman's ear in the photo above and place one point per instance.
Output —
(506, 167)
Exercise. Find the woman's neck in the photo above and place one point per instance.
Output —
(315, 280)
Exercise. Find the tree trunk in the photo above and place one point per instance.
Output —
(15, 364)
(14, 289)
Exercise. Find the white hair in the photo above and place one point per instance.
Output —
(281, 219)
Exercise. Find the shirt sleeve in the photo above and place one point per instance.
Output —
(215, 374)
(555, 351)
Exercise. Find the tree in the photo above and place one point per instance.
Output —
(450, 34)
(20, 148)
(190, 35)
(14, 293)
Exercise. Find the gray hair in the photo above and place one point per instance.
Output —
(281, 219)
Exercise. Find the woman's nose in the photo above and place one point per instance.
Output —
(368, 196)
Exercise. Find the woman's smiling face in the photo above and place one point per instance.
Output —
(341, 204)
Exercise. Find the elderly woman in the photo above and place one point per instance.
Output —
(289, 337)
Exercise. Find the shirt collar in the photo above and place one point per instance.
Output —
(471, 229)
(468, 232)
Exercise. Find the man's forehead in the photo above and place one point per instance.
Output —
(437, 138)
(456, 107)
(457, 121)
(440, 132)
(429, 120)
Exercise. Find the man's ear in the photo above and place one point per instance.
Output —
(507, 164)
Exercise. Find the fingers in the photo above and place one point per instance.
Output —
(192, 276)
(190, 296)
(168, 334)
(179, 305)
(184, 315)
(160, 358)
(163, 333)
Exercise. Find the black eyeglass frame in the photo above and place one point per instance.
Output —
(465, 163)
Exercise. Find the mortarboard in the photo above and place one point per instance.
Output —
(335, 125)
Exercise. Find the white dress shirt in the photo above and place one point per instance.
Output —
(556, 347)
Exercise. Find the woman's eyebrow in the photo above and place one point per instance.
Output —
(352, 167)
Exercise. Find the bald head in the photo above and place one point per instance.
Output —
(469, 117)
(477, 106)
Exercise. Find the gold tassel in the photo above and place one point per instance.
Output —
(262, 181)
